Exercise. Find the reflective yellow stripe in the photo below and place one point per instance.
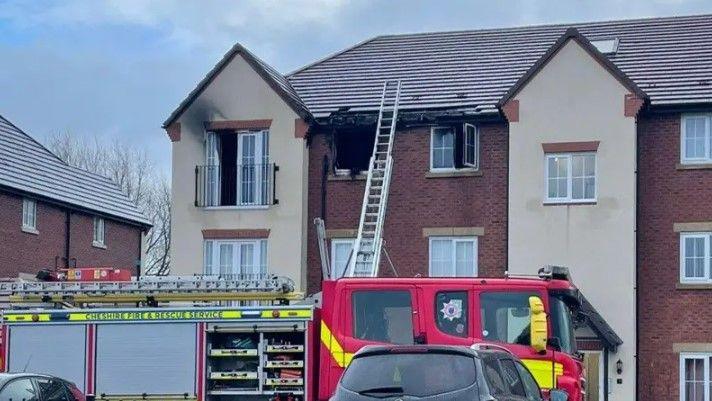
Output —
(27, 317)
(541, 370)
(343, 359)
(287, 313)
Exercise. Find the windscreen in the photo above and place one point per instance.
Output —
(562, 324)
(416, 374)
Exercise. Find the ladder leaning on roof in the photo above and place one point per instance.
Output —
(366, 253)
(151, 290)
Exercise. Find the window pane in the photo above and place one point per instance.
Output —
(340, 250)
(263, 257)
(583, 177)
(383, 316)
(695, 137)
(247, 259)
(577, 188)
(558, 176)
(505, 316)
(694, 257)
(511, 376)
(443, 148)
(208, 258)
(589, 188)
(226, 263)
(441, 258)
(464, 259)
(451, 312)
(52, 390)
(19, 390)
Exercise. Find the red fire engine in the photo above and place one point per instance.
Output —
(199, 351)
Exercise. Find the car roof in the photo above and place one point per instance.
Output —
(460, 349)
(5, 377)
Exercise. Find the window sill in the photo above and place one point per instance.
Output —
(357, 177)
(694, 166)
(30, 230)
(453, 173)
(693, 286)
(98, 245)
(569, 203)
(254, 207)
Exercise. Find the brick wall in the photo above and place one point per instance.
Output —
(22, 252)
(416, 202)
(667, 315)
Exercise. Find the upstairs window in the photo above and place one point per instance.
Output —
(99, 232)
(696, 139)
(29, 215)
(453, 148)
(570, 177)
(352, 150)
(695, 257)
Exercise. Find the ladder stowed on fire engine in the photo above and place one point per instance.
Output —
(366, 254)
(151, 290)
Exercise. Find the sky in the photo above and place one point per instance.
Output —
(117, 68)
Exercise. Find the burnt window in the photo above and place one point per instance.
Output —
(454, 147)
(352, 150)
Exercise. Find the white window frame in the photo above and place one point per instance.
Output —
(99, 233)
(706, 373)
(466, 166)
(211, 255)
(29, 215)
(708, 139)
(707, 236)
(454, 241)
(334, 243)
(474, 164)
(432, 142)
(569, 178)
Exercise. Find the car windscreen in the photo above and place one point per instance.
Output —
(414, 374)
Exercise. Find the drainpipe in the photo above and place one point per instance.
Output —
(67, 237)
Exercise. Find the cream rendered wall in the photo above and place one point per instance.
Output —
(239, 93)
(573, 98)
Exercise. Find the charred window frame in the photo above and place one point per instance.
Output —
(454, 147)
(352, 150)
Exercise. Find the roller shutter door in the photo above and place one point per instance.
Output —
(150, 358)
(57, 350)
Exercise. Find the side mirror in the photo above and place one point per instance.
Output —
(538, 327)
(556, 394)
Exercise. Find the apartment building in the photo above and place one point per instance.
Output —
(585, 145)
(53, 215)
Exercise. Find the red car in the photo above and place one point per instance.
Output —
(36, 387)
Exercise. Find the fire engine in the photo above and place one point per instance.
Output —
(178, 339)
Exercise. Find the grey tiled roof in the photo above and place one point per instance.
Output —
(670, 59)
(27, 166)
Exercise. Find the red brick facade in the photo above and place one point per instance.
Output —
(22, 252)
(416, 202)
(667, 315)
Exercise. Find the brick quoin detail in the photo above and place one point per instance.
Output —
(173, 132)
(666, 315)
(416, 202)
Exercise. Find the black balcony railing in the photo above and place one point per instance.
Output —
(235, 185)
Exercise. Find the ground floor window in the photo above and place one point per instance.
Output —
(695, 377)
(235, 257)
(340, 251)
(453, 257)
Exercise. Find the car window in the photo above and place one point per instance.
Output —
(505, 316)
(19, 390)
(451, 312)
(530, 385)
(494, 377)
(52, 390)
(511, 378)
(383, 316)
(422, 374)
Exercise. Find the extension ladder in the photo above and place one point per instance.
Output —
(153, 289)
(366, 253)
